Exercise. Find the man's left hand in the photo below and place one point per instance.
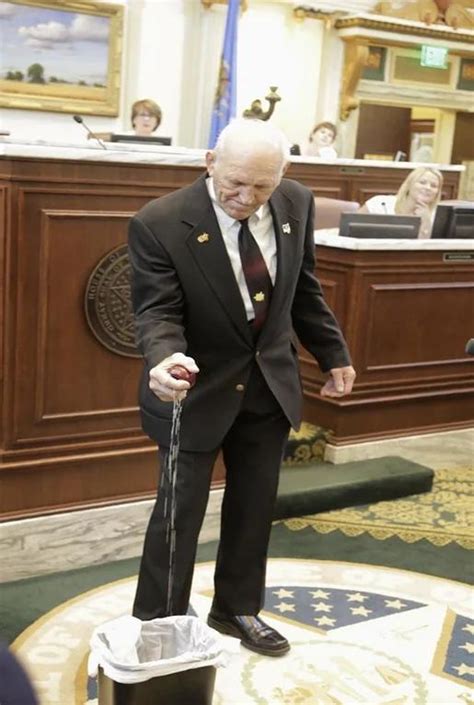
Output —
(340, 382)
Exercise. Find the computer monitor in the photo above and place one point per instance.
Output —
(454, 221)
(153, 139)
(369, 225)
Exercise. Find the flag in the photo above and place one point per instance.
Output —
(224, 103)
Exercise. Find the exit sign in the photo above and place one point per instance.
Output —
(434, 57)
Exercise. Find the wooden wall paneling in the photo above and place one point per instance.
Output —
(390, 415)
(31, 488)
(71, 429)
(3, 268)
(322, 181)
(383, 129)
(407, 346)
(463, 144)
(73, 435)
(58, 248)
(412, 324)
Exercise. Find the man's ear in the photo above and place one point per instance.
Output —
(210, 161)
(285, 167)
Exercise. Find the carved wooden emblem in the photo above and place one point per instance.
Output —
(108, 305)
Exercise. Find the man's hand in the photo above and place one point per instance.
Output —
(340, 382)
(164, 385)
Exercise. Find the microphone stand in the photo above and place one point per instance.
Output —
(79, 120)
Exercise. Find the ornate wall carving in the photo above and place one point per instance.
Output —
(453, 13)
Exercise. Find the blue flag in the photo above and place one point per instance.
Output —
(224, 103)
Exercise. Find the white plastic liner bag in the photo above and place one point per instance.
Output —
(131, 651)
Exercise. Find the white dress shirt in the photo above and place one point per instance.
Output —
(261, 227)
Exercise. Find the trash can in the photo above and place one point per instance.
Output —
(194, 687)
(169, 661)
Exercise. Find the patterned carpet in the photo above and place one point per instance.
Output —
(443, 516)
(305, 445)
(360, 635)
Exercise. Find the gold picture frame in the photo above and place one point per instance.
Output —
(61, 56)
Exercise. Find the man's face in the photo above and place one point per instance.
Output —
(244, 181)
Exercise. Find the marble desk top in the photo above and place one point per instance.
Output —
(331, 238)
(157, 154)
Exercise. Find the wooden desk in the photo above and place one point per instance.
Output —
(407, 313)
(71, 434)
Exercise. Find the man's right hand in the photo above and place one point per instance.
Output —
(164, 385)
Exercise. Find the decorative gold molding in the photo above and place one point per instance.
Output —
(356, 54)
(384, 25)
(341, 20)
(357, 43)
(209, 3)
(301, 13)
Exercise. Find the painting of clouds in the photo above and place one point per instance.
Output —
(55, 52)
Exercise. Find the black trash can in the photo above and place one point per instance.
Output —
(192, 687)
(168, 661)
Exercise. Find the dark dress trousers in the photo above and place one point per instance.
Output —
(248, 392)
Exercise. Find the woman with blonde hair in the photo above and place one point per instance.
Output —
(418, 195)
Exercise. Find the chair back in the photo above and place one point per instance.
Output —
(328, 211)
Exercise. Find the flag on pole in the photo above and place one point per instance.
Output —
(224, 103)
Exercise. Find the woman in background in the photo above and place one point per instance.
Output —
(146, 117)
(321, 140)
(418, 195)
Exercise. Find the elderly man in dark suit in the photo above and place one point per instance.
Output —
(223, 279)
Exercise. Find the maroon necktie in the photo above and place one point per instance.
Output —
(256, 274)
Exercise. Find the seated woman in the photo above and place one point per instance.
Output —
(146, 117)
(321, 141)
(418, 195)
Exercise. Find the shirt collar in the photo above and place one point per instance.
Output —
(226, 218)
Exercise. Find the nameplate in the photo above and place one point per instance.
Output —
(352, 170)
(458, 256)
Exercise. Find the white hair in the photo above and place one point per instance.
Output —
(245, 134)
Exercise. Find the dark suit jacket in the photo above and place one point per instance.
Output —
(186, 299)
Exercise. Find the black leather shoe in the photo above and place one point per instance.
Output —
(252, 631)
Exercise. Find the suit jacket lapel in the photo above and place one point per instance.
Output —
(208, 249)
(286, 227)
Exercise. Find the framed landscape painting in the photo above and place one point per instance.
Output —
(61, 55)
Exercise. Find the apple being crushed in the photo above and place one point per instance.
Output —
(180, 372)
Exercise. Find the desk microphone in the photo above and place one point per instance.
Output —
(78, 119)
(470, 346)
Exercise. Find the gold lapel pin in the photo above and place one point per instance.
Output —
(203, 237)
(286, 228)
